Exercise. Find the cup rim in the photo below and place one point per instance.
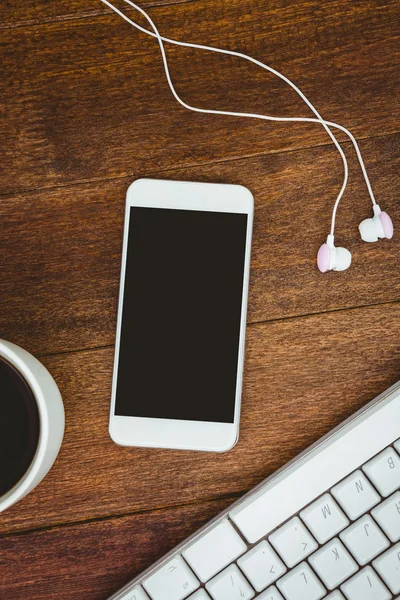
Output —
(22, 487)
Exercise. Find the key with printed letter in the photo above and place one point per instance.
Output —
(333, 564)
(364, 539)
(387, 515)
(293, 542)
(174, 581)
(388, 567)
(261, 565)
(301, 584)
(384, 471)
(366, 585)
(324, 518)
(230, 585)
(355, 495)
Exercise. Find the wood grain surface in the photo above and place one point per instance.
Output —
(28, 12)
(89, 98)
(85, 110)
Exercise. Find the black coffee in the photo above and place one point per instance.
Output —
(19, 426)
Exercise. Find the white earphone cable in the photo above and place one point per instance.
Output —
(325, 124)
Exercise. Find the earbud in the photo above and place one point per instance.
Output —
(379, 226)
(330, 258)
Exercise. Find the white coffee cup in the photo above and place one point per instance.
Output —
(51, 416)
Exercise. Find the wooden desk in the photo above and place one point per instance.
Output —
(85, 111)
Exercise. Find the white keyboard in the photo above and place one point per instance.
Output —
(325, 526)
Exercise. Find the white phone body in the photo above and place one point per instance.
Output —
(134, 429)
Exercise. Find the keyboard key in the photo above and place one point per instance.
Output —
(271, 594)
(293, 542)
(387, 514)
(364, 539)
(324, 518)
(384, 471)
(230, 585)
(215, 550)
(301, 584)
(388, 567)
(200, 595)
(366, 585)
(262, 566)
(333, 564)
(355, 495)
(336, 595)
(173, 581)
(136, 594)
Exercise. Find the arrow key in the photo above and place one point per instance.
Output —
(261, 565)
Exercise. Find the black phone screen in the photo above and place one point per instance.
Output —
(181, 315)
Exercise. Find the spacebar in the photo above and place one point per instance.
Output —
(317, 471)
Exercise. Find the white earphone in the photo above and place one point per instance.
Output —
(379, 226)
(329, 257)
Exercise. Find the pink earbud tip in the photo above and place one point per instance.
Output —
(323, 258)
(387, 225)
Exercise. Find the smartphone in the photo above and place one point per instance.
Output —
(179, 349)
